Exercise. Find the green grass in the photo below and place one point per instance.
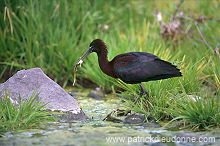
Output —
(196, 112)
(53, 35)
(24, 114)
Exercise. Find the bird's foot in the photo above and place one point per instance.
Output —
(143, 91)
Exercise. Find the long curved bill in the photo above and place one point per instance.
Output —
(86, 53)
(79, 63)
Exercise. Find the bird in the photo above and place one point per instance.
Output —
(132, 67)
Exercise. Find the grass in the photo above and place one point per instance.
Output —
(52, 35)
(24, 114)
(197, 112)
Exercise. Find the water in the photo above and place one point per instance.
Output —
(95, 131)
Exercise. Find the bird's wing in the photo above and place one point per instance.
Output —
(136, 67)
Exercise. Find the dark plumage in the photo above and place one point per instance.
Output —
(137, 67)
(132, 67)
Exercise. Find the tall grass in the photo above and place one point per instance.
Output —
(23, 114)
(41, 34)
(197, 112)
(51, 34)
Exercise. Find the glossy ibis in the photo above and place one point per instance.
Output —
(132, 67)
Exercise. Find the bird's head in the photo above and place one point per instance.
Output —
(97, 46)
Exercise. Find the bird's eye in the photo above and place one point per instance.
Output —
(91, 48)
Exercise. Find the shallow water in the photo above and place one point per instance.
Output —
(95, 131)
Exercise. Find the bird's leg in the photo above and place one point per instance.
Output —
(142, 92)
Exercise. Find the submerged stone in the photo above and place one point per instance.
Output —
(73, 93)
(135, 118)
(110, 118)
(96, 94)
(122, 112)
(25, 83)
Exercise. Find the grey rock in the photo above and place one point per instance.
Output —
(109, 117)
(135, 118)
(96, 94)
(26, 82)
(73, 93)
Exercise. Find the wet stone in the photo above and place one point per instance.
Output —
(69, 116)
(96, 94)
(110, 118)
(121, 112)
(135, 118)
(73, 93)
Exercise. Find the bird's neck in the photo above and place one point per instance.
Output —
(105, 65)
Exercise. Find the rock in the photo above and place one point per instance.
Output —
(135, 118)
(96, 94)
(25, 82)
(73, 93)
(122, 112)
(110, 118)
